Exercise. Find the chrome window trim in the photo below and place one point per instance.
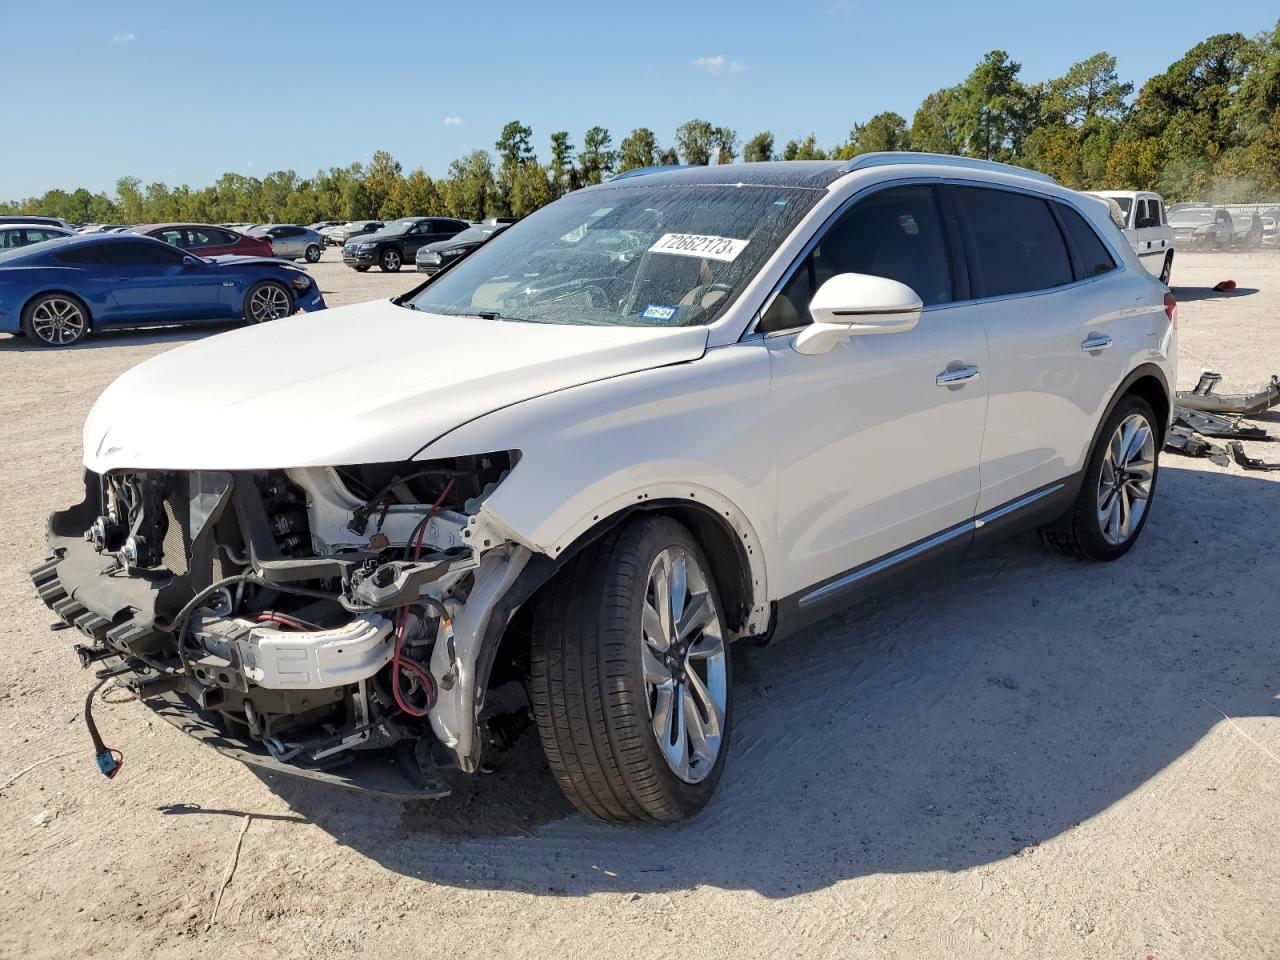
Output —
(1121, 266)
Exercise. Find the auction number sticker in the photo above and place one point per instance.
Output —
(697, 245)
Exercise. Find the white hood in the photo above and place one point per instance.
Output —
(368, 383)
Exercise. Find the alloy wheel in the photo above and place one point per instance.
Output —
(58, 321)
(1124, 484)
(684, 662)
(391, 260)
(268, 302)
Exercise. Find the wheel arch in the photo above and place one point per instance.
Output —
(1148, 382)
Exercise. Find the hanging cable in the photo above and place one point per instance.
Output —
(110, 761)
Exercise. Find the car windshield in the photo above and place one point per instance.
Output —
(469, 235)
(1125, 204)
(396, 227)
(1196, 215)
(643, 255)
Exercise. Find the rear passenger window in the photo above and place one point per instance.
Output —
(1093, 254)
(79, 255)
(1015, 244)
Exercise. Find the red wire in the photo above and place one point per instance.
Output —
(279, 618)
(399, 663)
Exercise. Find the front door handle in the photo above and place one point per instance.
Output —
(1095, 341)
(952, 376)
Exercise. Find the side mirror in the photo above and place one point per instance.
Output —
(189, 261)
(854, 304)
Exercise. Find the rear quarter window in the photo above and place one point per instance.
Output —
(1093, 256)
(79, 256)
(1014, 242)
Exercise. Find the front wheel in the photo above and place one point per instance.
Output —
(1119, 484)
(267, 300)
(313, 253)
(389, 262)
(630, 679)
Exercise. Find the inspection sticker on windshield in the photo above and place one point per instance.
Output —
(660, 312)
(697, 245)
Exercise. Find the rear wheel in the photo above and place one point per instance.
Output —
(313, 253)
(389, 262)
(631, 677)
(1119, 484)
(267, 300)
(55, 320)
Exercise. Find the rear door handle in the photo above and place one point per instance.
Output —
(953, 376)
(1095, 341)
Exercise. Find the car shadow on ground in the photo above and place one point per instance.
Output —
(1189, 294)
(132, 337)
(967, 718)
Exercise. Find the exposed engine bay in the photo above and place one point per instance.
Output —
(335, 622)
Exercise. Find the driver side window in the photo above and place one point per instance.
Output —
(896, 233)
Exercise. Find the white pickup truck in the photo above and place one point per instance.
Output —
(1140, 214)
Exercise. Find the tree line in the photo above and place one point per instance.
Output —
(1208, 127)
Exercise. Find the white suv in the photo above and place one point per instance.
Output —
(656, 417)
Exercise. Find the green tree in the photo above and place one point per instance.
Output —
(514, 145)
(530, 189)
(561, 171)
(695, 139)
(806, 149)
(992, 111)
(469, 187)
(130, 199)
(884, 131)
(726, 144)
(758, 148)
(639, 149)
(933, 128)
(596, 159)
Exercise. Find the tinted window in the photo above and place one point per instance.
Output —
(137, 253)
(11, 238)
(172, 236)
(1092, 253)
(1015, 243)
(79, 255)
(894, 233)
(35, 236)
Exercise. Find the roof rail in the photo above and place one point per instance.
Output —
(642, 171)
(866, 160)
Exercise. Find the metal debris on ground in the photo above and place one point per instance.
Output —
(1202, 416)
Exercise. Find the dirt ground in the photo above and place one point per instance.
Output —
(1025, 756)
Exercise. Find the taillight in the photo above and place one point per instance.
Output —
(271, 252)
(1171, 308)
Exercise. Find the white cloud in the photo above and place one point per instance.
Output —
(453, 121)
(718, 64)
(120, 38)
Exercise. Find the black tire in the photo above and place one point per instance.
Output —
(1078, 532)
(362, 269)
(312, 253)
(1167, 270)
(390, 261)
(587, 687)
(251, 311)
(40, 320)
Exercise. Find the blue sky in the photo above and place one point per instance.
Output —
(181, 92)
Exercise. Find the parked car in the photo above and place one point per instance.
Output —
(398, 241)
(290, 241)
(1204, 228)
(24, 234)
(56, 293)
(652, 419)
(1142, 219)
(101, 228)
(207, 240)
(333, 235)
(1246, 229)
(1270, 231)
(434, 257)
(42, 221)
(357, 228)
(321, 225)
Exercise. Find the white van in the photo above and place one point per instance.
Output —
(1140, 214)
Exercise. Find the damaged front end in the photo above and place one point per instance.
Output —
(337, 623)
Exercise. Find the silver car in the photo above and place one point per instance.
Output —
(292, 242)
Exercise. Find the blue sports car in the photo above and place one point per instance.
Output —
(57, 291)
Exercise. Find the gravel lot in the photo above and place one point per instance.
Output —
(1024, 756)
